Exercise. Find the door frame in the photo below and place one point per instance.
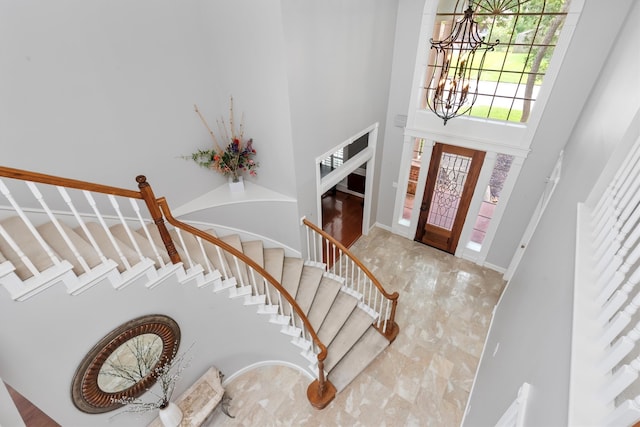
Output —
(409, 230)
(368, 155)
(468, 191)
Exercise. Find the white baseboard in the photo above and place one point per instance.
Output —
(257, 365)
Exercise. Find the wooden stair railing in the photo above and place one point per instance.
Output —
(321, 391)
(325, 252)
(145, 194)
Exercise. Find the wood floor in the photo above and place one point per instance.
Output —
(31, 414)
(342, 216)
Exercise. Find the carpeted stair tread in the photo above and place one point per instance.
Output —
(325, 296)
(149, 249)
(217, 258)
(99, 234)
(355, 326)
(342, 307)
(291, 273)
(274, 262)
(54, 239)
(309, 282)
(241, 275)
(193, 248)
(254, 250)
(28, 244)
(368, 347)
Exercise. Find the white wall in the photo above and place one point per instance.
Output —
(405, 48)
(104, 90)
(45, 338)
(532, 323)
(338, 66)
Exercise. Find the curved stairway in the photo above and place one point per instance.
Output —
(91, 254)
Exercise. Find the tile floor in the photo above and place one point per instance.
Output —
(422, 379)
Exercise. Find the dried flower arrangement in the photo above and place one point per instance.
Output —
(237, 156)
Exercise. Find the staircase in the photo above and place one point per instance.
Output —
(337, 315)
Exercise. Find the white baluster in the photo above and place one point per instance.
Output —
(5, 191)
(225, 274)
(204, 255)
(184, 247)
(620, 380)
(619, 297)
(619, 350)
(134, 243)
(315, 246)
(386, 316)
(25, 260)
(607, 232)
(280, 305)
(102, 222)
(240, 275)
(628, 413)
(254, 285)
(307, 229)
(621, 244)
(80, 221)
(333, 246)
(327, 254)
(147, 234)
(620, 321)
(379, 310)
(266, 290)
(36, 193)
(629, 261)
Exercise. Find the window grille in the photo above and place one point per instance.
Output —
(512, 74)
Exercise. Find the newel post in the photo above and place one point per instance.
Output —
(321, 392)
(156, 215)
(392, 329)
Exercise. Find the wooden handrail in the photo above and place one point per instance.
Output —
(321, 391)
(392, 327)
(66, 182)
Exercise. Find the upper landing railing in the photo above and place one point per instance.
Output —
(605, 366)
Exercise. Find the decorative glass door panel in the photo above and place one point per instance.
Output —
(452, 177)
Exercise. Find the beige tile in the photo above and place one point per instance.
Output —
(422, 379)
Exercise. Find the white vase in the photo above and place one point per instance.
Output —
(171, 416)
(237, 186)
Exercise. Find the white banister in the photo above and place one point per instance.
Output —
(619, 350)
(133, 241)
(16, 248)
(625, 414)
(606, 302)
(67, 240)
(81, 223)
(106, 229)
(5, 191)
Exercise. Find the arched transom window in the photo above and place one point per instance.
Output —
(513, 72)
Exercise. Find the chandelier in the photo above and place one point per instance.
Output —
(453, 88)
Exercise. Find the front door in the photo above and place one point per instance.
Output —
(451, 180)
